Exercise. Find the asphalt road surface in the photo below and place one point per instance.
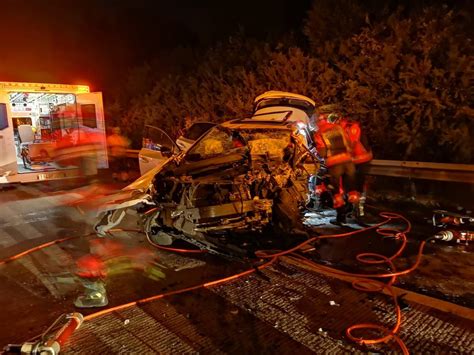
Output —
(37, 288)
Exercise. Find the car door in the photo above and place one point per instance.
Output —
(157, 147)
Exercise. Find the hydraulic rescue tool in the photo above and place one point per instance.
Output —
(443, 218)
(52, 339)
(454, 235)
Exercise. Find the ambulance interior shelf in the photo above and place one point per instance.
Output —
(45, 128)
(44, 116)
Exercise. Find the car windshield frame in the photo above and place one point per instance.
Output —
(204, 127)
(191, 154)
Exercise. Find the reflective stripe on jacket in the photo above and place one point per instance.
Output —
(332, 144)
(361, 152)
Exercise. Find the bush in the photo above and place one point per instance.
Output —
(407, 80)
(405, 76)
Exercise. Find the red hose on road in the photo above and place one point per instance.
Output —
(176, 292)
(158, 246)
(41, 246)
(362, 284)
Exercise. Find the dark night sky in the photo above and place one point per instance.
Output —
(95, 41)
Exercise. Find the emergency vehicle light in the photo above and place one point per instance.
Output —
(56, 88)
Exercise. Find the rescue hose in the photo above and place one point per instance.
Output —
(156, 245)
(176, 292)
(41, 246)
(361, 284)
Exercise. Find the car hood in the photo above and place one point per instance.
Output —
(130, 195)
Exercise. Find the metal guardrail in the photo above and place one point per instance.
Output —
(423, 170)
(408, 169)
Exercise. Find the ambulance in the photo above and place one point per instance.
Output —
(35, 118)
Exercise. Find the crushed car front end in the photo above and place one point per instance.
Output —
(241, 180)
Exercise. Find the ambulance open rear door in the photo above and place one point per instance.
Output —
(8, 161)
(91, 111)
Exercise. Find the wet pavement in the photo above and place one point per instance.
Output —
(288, 310)
(253, 312)
(446, 270)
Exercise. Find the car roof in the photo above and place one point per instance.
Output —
(273, 94)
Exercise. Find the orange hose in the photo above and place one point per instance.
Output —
(58, 241)
(177, 292)
(188, 251)
(363, 285)
(39, 247)
(360, 284)
(176, 250)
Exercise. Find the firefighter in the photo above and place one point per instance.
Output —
(361, 156)
(333, 145)
(91, 272)
(109, 258)
(117, 148)
(79, 147)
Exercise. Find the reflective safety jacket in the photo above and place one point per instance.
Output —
(332, 143)
(361, 152)
(117, 145)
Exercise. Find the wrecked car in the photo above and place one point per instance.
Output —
(242, 179)
(157, 145)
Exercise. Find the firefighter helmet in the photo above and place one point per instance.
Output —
(333, 117)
